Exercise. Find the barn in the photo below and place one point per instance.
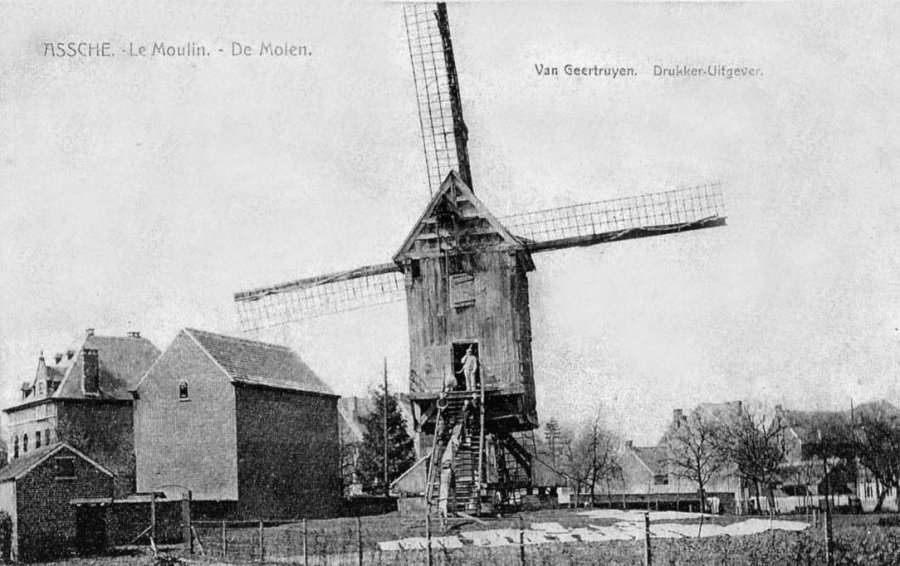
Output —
(40, 493)
(246, 426)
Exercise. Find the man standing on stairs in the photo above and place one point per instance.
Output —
(447, 472)
(469, 367)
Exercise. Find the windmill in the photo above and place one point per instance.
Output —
(464, 275)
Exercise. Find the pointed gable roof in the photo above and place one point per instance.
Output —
(21, 467)
(455, 197)
(654, 458)
(257, 363)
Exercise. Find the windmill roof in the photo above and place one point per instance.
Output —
(258, 363)
(450, 183)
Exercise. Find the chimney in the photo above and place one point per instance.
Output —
(677, 414)
(89, 332)
(91, 370)
(58, 357)
(629, 444)
(134, 334)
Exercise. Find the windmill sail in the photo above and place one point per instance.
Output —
(444, 133)
(653, 214)
(578, 225)
(312, 297)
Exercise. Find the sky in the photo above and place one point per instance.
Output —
(140, 193)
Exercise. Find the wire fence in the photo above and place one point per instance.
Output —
(397, 541)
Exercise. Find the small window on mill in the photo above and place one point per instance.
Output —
(183, 391)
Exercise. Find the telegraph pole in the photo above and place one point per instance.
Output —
(387, 488)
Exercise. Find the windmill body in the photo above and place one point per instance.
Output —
(464, 276)
(467, 296)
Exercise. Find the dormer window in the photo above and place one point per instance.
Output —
(91, 371)
(183, 391)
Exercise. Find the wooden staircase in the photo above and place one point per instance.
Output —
(457, 408)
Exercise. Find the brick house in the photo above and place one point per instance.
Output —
(39, 491)
(245, 425)
(82, 398)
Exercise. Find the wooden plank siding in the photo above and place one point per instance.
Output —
(466, 282)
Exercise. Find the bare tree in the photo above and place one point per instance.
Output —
(693, 453)
(877, 434)
(591, 456)
(754, 442)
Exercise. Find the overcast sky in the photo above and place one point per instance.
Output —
(140, 193)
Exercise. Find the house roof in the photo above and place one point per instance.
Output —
(123, 361)
(21, 467)
(654, 457)
(258, 363)
(808, 424)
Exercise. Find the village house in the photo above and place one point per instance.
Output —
(246, 426)
(650, 479)
(82, 397)
(40, 491)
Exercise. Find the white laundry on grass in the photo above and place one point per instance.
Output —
(546, 533)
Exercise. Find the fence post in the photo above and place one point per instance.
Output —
(428, 536)
(153, 517)
(186, 518)
(359, 552)
(521, 541)
(224, 542)
(261, 543)
(648, 559)
(305, 548)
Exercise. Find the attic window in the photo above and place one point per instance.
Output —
(661, 479)
(65, 468)
(183, 391)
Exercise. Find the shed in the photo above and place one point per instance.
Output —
(38, 490)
